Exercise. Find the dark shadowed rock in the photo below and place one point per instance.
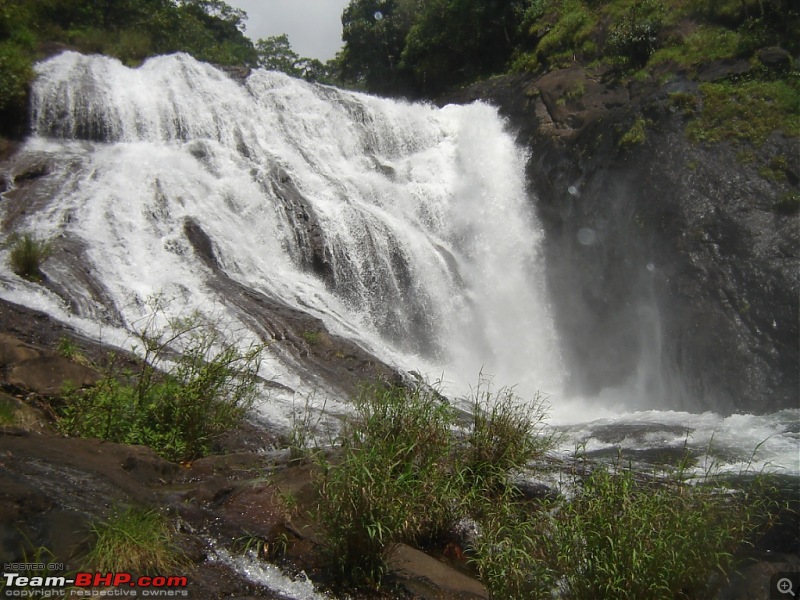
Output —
(775, 58)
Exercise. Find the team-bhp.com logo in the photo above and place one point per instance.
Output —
(86, 584)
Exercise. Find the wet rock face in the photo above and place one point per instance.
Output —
(670, 264)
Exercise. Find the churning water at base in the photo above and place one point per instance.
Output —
(404, 227)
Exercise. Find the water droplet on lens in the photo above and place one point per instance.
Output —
(573, 190)
(587, 236)
(378, 15)
(651, 267)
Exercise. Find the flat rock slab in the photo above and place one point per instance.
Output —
(430, 579)
(39, 370)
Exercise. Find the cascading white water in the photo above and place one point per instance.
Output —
(424, 239)
(404, 227)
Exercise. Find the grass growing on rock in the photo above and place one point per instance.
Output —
(395, 481)
(625, 536)
(505, 433)
(747, 111)
(7, 410)
(409, 468)
(27, 253)
(404, 475)
(134, 539)
(193, 387)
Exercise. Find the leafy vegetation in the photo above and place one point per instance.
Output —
(622, 536)
(176, 404)
(403, 473)
(413, 48)
(788, 203)
(275, 54)
(637, 134)
(6, 411)
(658, 537)
(130, 30)
(505, 433)
(134, 539)
(27, 255)
(747, 111)
(394, 482)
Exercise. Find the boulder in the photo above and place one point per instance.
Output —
(431, 579)
(36, 369)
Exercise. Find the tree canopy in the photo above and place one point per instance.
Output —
(275, 53)
(424, 47)
(130, 30)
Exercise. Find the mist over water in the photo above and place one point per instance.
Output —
(404, 227)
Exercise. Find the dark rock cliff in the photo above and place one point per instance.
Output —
(673, 267)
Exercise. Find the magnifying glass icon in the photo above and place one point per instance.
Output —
(785, 586)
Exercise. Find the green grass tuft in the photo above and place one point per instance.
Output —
(625, 537)
(393, 483)
(636, 135)
(135, 540)
(405, 476)
(506, 433)
(7, 412)
(27, 255)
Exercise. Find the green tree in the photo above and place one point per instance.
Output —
(374, 34)
(224, 15)
(275, 54)
(457, 41)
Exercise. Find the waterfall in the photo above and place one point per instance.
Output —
(403, 226)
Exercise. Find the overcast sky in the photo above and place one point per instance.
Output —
(314, 27)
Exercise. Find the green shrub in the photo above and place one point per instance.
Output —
(27, 255)
(568, 36)
(660, 538)
(705, 44)
(394, 482)
(311, 337)
(16, 74)
(637, 134)
(622, 536)
(511, 552)
(132, 47)
(179, 411)
(505, 433)
(302, 437)
(634, 35)
(134, 539)
(405, 476)
(684, 101)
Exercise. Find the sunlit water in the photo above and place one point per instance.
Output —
(433, 251)
(266, 575)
